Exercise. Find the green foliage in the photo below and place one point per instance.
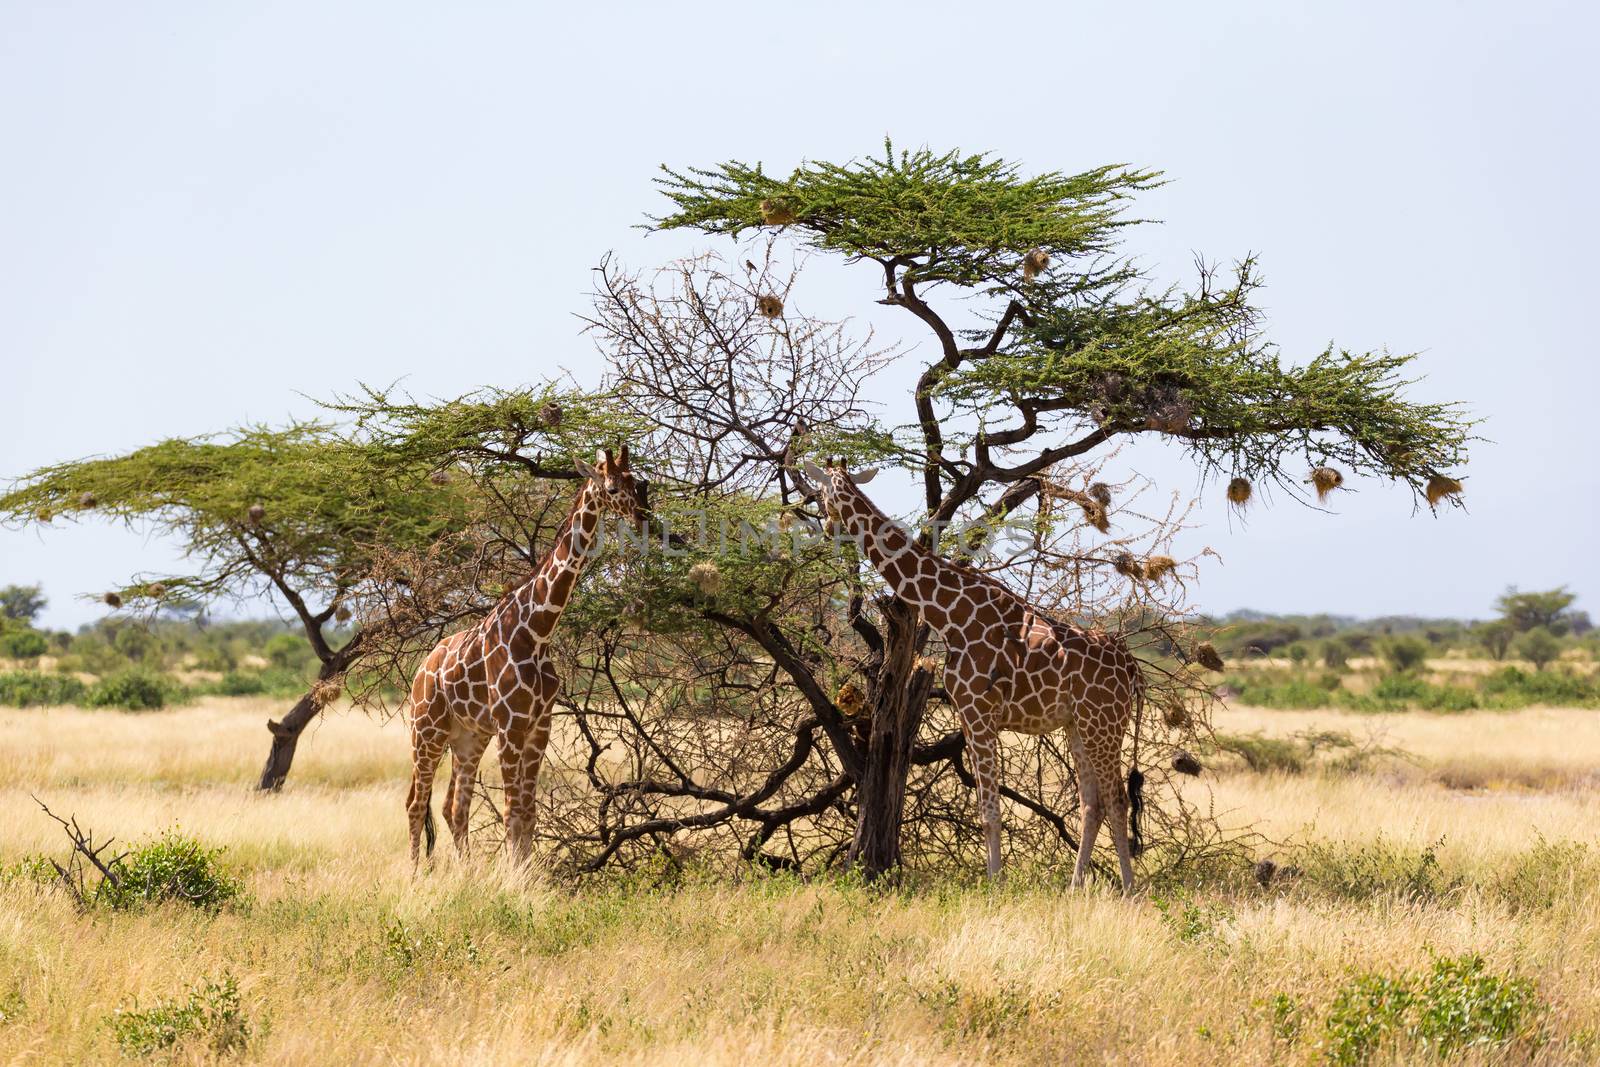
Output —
(22, 603)
(1086, 345)
(170, 868)
(1405, 654)
(22, 689)
(212, 1013)
(134, 689)
(1368, 1010)
(966, 219)
(1457, 1005)
(1539, 647)
(1379, 868)
(23, 642)
(1496, 637)
(1528, 611)
(1190, 920)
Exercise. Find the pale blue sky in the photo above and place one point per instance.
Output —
(209, 210)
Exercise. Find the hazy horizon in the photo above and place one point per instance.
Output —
(215, 214)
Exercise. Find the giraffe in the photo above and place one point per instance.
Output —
(496, 679)
(1009, 668)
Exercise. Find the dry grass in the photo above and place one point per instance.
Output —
(343, 956)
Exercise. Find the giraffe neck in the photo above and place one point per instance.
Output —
(536, 606)
(943, 593)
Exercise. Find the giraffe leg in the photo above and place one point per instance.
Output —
(1106, 764)
(466, 749)
(519, 766)
(427, 747)
(1089, 800)
(982, 746)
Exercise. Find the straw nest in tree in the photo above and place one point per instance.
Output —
(257, 513)
(112, 600)
(550, 416)
(157, 590)
(707, 577)
(44, 515)
(1034, 264)
(770, 305)
(1240, 491)
(439, 477)
(87, 500)
(1127, 565)
(776, 213)
(1185, 763)
(1175, 715)
(1325, 480)
(1101, 492)
(850, 700)
(1205, 654)
(326, 692)
(341, 613)
(1095, 514)
(1439, 487)
(1158, 567)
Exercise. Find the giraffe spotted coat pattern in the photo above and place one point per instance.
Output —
(1009, 668)
(496, 680)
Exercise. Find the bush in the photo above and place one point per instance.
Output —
(1405, 654)
(21, 689)
(1263, 754)
(212, 1012)
(171, 867)
(135, 689)
(1400, 689)
(1539, 647)
(23, 643)
(1381, 868)
(238, 684)
(1459, 1004)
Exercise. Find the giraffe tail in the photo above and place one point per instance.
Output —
(1135, 810)
(1136, 782)
(430, 835)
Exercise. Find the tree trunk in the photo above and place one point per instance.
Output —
(899, 699)
(286, 733)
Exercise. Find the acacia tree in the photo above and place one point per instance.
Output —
(291, 515)
(1066, 349)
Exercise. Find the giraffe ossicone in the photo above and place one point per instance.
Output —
(496, 680)
(1009, 668)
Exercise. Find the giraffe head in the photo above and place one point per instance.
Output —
(831, 484)
(613, 487)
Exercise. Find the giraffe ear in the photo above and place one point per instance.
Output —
(583, 469)
(604, 456)
(624, 457)
(815, 474)
(865, 476)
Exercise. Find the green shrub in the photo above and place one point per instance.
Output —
(1365, 1013)
(1449, 698)
(1404, 653)
(1263, 754)
(21, 689)
(238, 684)
(135, 689)
(1380, 868)
(1459, 1004)
(211, 1013)
(23, 642)
(170, 868)
(1399, 689)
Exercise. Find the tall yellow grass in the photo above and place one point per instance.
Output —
(344, 956)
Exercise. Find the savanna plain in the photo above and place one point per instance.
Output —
(1437, 894)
